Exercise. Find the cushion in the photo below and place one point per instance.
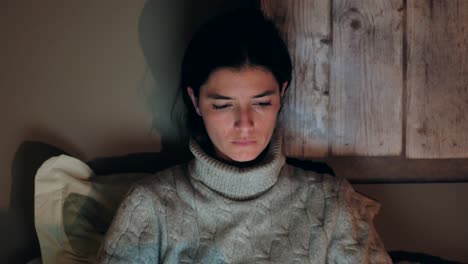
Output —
(74, 208)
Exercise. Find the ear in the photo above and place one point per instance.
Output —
(282, 92)
(194, 100)
(283, 89)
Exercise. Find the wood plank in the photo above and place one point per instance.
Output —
(367, 77)
(397, 169)
(305, 26)
(437, 123)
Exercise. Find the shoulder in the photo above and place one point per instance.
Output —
(137, 200)
(167, 177)
(154, 190)
(145, 198)
(167, 186)
(313, 174)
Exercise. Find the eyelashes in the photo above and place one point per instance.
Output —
(219, 107)
(226, 106)
(263, 103)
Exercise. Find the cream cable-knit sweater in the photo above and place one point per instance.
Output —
(209, 212)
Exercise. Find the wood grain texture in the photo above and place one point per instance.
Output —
(437, 123)
(305, 26)
(367, 77)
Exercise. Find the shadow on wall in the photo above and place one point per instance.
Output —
(19, 240)
(165, 28)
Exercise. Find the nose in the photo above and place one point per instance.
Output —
(244, 119)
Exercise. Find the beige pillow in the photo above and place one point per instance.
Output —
(74, 208)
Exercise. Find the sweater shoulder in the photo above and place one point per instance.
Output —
(169, 176)
(329, 183)
(168, 185)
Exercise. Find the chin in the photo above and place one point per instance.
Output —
(240, 154)
(245, 156)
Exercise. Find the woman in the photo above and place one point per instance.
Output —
(237, 201)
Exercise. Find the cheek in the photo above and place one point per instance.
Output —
(268, 116)
(217, 122)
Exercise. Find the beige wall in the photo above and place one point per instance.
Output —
(71, 76)
(428, 218)
(74, 74)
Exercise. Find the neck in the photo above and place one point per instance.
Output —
(243, 164)
(238, 180)
(209, 149)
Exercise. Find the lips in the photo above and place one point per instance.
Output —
(244, 142)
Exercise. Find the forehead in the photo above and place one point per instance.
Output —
(240, 82)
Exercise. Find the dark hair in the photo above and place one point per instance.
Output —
(239, 38)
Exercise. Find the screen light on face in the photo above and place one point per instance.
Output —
(239, 108)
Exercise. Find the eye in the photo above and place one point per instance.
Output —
(263, 104)
(219, 107)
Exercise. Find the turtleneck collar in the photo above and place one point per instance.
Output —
(235, 182)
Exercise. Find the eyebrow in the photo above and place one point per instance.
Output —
(222, 97)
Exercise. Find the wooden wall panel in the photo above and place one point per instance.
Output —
(367, 77)
(306, 28)
(437, 123)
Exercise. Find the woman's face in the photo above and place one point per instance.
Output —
(239, 108)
